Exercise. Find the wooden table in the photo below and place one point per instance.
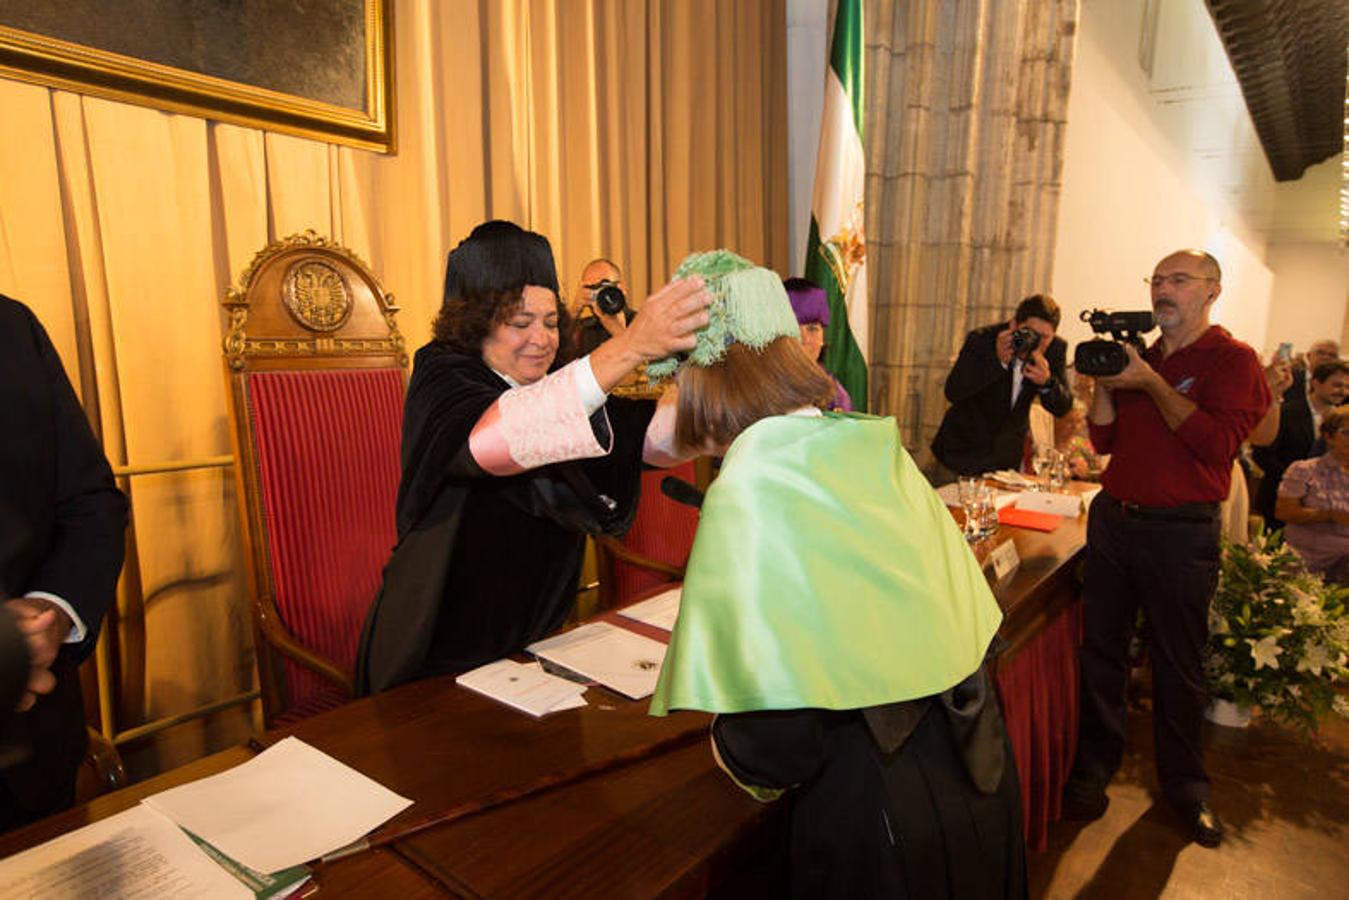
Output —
(667, 824)
(1036, 671)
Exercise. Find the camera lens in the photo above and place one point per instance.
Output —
(609, 299)
(1024, 341)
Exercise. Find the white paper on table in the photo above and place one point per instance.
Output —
(1067, 505)
(1088, 496)
(136, 853)
(524, 687)
(1012, 478)
(286, 806)
(615, 657)
(659, 611)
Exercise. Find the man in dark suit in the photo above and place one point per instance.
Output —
(1303, 404)
(62, 523)
(1000, 370)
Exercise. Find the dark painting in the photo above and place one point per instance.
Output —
(310, 51)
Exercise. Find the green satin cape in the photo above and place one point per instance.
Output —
(825, 573)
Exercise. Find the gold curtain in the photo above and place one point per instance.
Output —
(966, 110)
(637, 131)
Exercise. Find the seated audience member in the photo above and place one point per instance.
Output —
(1299, 417)
(1072, 437)
(836, 621)
(591, 325)
(1314, 501)
(996, 377)
(510, 458)
(811, 306)
(61, 547)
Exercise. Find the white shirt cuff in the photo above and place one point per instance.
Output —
(587, 388)
(77, 629)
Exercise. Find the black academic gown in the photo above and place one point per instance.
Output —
(62, 531)
(485, 565)
(917, 799)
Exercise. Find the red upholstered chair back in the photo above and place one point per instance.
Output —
(661, 533)
(317, 373)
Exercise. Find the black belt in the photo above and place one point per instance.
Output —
(1185, 512)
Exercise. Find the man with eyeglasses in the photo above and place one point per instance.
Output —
(1172, 421)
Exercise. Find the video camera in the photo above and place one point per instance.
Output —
(608, 296)
(1102, 357)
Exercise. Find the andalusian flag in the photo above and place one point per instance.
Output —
(837, 252)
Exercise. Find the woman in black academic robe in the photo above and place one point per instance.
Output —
(509, 459)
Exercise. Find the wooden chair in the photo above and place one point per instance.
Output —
(316, 370)
(656, 547)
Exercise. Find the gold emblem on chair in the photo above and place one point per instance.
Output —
(317, 295)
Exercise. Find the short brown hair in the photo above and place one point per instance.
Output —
(1333, 422)
(1041, 306)
(718, 402)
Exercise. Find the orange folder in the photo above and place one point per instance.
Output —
(1025, 518)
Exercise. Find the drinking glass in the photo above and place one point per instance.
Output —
(988, 511)
(1040, 462)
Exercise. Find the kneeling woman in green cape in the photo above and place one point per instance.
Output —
(509, 458)
(835, 619)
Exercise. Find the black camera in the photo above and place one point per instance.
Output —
(608, 296)
(1102, 357)
(1024, 341)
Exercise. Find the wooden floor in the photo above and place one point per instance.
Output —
(1284, 802)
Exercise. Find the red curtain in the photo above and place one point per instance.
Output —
(1039, 701)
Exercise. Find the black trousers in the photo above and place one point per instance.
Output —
(44, 748)
(1171, 569)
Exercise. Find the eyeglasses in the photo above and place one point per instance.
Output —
(1175, 280)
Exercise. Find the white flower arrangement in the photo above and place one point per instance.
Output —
(1278, 636)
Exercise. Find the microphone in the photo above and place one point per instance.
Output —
(680, 491)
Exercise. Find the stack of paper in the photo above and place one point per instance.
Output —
(615, 657)
(1012, 478)
(136, 853)
(523, 686)
(1066, 505)
(288, 805)
(660, 611)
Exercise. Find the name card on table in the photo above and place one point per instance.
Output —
(1067, 505)
(1004, 559)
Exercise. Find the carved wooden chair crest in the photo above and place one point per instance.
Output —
(316, 370)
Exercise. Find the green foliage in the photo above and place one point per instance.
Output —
(1278, 636)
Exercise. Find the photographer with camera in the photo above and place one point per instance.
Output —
(1172, 419)
(599, 307)
(1001, 369)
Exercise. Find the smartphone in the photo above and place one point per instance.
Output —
(1285, 352)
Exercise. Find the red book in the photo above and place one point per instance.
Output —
(1025, 518)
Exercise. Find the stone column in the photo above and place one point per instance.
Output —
(966, 106)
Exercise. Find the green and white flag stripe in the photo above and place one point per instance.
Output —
(836, 252)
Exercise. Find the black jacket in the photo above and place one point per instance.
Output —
(983, 430)
(62, 524)
(1295, 440)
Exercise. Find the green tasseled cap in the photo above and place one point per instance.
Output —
(749, 306)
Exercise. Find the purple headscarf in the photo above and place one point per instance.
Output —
(808, 301)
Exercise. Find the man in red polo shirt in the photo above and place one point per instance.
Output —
(1172, 421)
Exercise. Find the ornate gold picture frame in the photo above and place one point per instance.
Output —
(319, 69)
